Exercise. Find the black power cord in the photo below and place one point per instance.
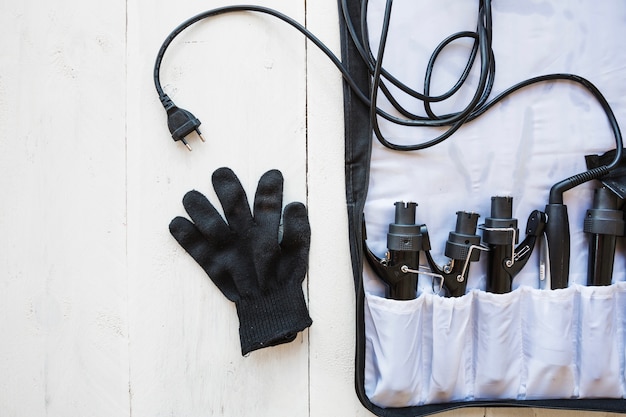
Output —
(181, 122)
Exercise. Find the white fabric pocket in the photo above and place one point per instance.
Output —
(601, 349)
(448, 349)
(393, 351)
(498, 355)
(526, 344)
(549, 329)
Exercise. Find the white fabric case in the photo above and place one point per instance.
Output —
(526, 344)
(531, 343)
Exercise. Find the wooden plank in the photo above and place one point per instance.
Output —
(243, 76)
(543, 412)
(62, 178)
(331, 286)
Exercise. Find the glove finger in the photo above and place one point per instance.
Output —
(233, 199)
(296, 242)
(296, 228)
(268, 203)
(205, 216)
(200, 249)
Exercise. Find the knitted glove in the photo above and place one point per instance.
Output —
(246, 258)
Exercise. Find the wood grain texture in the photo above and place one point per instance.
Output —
(63, 298)
(101, 312)
(330, 276)
(243, 75)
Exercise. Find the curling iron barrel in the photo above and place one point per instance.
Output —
(500, 233)
(463, 238)
(603, 222)
(462, 247)
(404, 241)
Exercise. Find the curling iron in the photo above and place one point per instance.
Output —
(605, 220)
(462, 247)
(500, 233)
(405, 240)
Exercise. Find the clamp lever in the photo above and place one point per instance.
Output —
(534, 231)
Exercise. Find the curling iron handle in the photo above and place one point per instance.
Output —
(557, 234)
(401, 285)
(499, 280)
(403, 290)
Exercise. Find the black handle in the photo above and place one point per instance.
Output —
(557, 234)
(499, 280)
(401, 285)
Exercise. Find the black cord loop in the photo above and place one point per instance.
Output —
(477, 106)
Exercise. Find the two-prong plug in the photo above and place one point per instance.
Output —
(180, 121)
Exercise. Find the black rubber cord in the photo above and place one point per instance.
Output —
(478, 105)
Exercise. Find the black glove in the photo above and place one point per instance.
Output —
(246, 259)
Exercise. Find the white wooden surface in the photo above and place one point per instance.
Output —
(101, 313)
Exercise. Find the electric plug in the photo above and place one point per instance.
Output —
(180, 122)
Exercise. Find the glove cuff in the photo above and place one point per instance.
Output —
(272, 318)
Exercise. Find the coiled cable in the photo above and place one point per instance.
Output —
(380, 77)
